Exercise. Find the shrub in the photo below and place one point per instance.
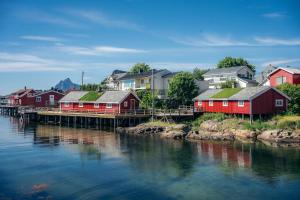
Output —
(293, 91)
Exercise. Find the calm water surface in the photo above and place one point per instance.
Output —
(49, 162)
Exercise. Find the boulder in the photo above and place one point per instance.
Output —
(280, 135)
(206, 135)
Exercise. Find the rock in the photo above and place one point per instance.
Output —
(210, 125)
(244, 134)
(205, 135)
(279, 135)
(142, 129)
(176, 132)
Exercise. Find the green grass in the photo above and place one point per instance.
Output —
(160, 123)
(209, 116)
(226, 92)
(90, 96)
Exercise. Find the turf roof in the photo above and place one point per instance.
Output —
(226, 93)
(91, 96)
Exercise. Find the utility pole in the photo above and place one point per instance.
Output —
(152, 95)
(82, 75)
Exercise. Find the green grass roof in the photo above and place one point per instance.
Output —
(90, 96)
(226, 93)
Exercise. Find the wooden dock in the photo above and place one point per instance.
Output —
(91, 118)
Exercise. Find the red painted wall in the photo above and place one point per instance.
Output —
(26, 100)
(290, 78)
(218, 107)
(89, 107)
(45, 98)
(265, 103)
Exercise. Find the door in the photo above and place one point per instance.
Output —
(51, 100)
(132, 104)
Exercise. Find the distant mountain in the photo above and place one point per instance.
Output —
(66, 84)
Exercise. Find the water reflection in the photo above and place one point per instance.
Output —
(169, 156)
(40, 161)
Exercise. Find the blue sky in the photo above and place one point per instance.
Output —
(42, 42)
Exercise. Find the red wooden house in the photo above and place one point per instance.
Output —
(23, 97)
(284, 75)
(109, 102)
(48, 98)
(250, 101)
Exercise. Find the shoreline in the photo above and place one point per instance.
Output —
(210, 131)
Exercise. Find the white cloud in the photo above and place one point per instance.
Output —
(208, 40)
(15, 62)
(274, 15)
(40, 38)
(277, 41)
(97, 50)
(102, 19)
(280, 62)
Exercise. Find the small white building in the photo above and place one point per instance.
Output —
(241, 75)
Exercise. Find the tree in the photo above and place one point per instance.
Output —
(93, 87)
(233, 62)
(139, 68)
(198, 73)
(228, 84)
(293, 91)
(146, 98)
(182, 89)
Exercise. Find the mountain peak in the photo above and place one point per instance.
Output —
(66, 84)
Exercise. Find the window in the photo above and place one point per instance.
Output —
(225, 103)
(199, 103)
(66, 104)
(108, 105)
(125, 104)
(142, 81)
(278, 103)
(38, 99)
(96, 105)
(280, 80)
(211, 103)
(240, 103)
(80, 105)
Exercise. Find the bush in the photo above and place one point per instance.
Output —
(293, 91)
(256, 125)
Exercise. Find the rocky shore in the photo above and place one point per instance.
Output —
(214, 130)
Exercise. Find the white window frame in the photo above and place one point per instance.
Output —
(109, 105)
(96, 105)
(66, 104)
(225, 103)
(38, 99)
(80, 105)
(125, 104)
(199, 103)
(241, 103)
(210, 103)
(277, 104)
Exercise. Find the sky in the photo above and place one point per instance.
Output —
(43, 42)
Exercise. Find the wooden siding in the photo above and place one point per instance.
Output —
(116, 108)
(265, 103)
(290, 78)
(45, 99)
(218, 107)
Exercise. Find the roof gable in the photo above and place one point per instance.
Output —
(114, 96)
(73, 96)
(289, 70)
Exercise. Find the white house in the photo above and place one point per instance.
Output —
(241, 75)
(137, 81)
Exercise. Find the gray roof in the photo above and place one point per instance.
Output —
(248, 92)
(245, 94)
(73, 96)
(130, 75)
(113, 97)
(229, 70)
(171, 74)
(293, 70)
(249, 80)
(207, 94)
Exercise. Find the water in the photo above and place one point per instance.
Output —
(49, 162)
